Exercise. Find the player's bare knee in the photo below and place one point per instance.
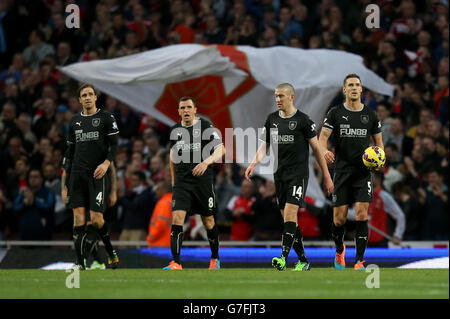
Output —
(97, 220)
(361, 211)
(339, 219)
(361, 215)
(79, 218)
(178, 217)
(208, 222)
(290, 217)
(290, 213)
(340, 215)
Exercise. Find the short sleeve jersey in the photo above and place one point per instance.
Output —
(190, 146)
(291, 136)
(89, 134)
(351, 131)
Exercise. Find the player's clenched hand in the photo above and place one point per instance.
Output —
(381, 168)
(100, 171)
(329, 186)
(329, 157)
(199, 169)
(249, 172)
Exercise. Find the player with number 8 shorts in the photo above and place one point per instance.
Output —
(195, 146)
(292, 132)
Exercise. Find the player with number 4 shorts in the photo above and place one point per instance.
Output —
(91, 147)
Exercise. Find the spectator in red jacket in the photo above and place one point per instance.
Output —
(384, 204)
(241, 207)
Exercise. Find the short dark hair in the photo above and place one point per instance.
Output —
(34, 169)
(392, 145)
(433, 169)
(352, 75)
(187, 98)
(39, 34)
(140, 175)
(387, 106)
(164, 185)
(84, 86)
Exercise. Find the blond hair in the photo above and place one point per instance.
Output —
(286, 86)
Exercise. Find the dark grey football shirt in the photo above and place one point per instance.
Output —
(89, 134)
(351, 131)
(291, 135)
(190, 146)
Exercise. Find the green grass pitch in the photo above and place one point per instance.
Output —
(233, 283)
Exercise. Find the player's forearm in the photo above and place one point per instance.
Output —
(319, 154)
(106, 162)
(63, 180)
(113, 177)
(113, 146)
(68, 156)
(378, 140)
(323, 141)
(217, 155)
(172, 168)
(260, 154)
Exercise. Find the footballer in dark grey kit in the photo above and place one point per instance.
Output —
(293, 132)
(91, 147)
(352, 124)
(195, 146)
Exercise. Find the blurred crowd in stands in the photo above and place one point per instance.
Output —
(409, 51)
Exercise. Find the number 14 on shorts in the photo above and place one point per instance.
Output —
(297, 191)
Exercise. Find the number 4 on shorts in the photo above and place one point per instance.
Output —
(99, 197)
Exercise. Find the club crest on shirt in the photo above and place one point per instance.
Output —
(196, 133)
(292, 125)
(95, 122)
(364, 119)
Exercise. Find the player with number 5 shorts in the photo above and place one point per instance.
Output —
(352, 124)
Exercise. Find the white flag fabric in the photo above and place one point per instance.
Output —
(233, 85)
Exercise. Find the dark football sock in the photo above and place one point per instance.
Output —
(361, 238)
(176, 240)
(96, 255)
(337, 232)
(213, 238)
(78, 234)
(298, 246)
(90, 242)
(289, 232)
(104, 235)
